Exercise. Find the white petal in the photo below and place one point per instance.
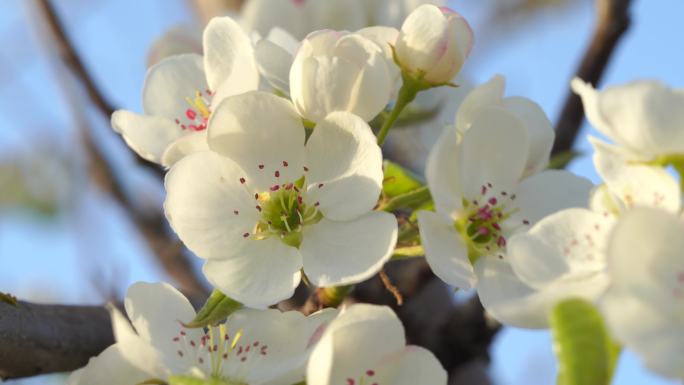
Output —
(204, 193)
(592, 108)
(274, 63)
(155, 309)
(548, 192)
(342, 253)
(285, 336)
(109, 367)
(634, 184)
(421, 34)
(148, 136)
(489, 93)
(540, 131)
(184, 146)
(513, 303)
(136, 350)
(442, 172)
(445, 251)
(643, 328)
(342, 154)
(170, 82)
(645, 255)
(413, 365)
(493, 152)
(262, 15)
(643, 116)
(373, 90)
(383, 37)
(263, 134)
(360, 337)
(229, 57)
(569, 242)
(259, 274)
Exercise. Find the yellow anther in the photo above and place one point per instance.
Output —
(237, 337)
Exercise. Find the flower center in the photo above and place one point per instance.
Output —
(481, 223)
(365, 379)
(198, 112)
(208, 353)
(284, 213)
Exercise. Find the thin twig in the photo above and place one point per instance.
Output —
(613, 20)
(168, 250)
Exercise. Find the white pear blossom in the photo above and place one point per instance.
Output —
(433, 43)
(539, 128)
(393, 12)
(275, 55)
(252, 347)
(301, 17)
(180, 92)
(276, 52)
(178, 40)
(266, 204)
(643, 118)
(365, 345)
(564, 255)
(339, 71)
(644, 305)
(483, 197)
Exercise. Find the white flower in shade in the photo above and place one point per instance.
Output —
(178, 40)
(365, 345)
(339, 71)
(265, 204)
(300, 17)
(644, 305)
(433, 43)
(644, 118)
(483, 197)
(393, 12)
(180, 92)
(252, 347)
(275, 54)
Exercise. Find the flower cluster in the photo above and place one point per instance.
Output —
(273, 143)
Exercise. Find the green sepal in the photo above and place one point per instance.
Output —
(402, 189)
(398, 180)
(8, 298)
(186, 380)
(585, 352)
(216, 309)
(561, 160)
(153, 381)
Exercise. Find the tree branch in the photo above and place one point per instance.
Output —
(613, 20)
(169, 251)
(38, 339)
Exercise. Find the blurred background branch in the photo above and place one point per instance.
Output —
(612, 21)
(152, 227)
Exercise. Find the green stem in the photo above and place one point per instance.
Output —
(408, 252)
(409, 199)
(407, 93)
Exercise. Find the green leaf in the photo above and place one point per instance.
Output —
(186, 380)
(586, 354)
(408, 252)
(398, 180)
(215, 310)
(560, 161)
(8, 298)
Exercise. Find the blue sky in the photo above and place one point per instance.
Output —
(42, 260)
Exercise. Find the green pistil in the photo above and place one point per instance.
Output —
(284, 214)
(480, 228)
